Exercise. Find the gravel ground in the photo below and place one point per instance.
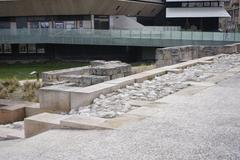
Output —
(117, 103)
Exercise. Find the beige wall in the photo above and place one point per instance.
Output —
(76, 7)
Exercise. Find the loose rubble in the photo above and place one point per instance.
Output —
(117, 103)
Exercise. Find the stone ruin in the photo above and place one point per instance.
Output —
(173, 55)
(97, 72)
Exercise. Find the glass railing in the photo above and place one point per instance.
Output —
(113, 37)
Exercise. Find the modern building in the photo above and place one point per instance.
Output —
(231, 24)
(194, 15)
(42, 15)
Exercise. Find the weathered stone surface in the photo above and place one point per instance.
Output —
(41, 123)
(85, 96)
(55, 97)
(54, 75)
(152, 87)
(172, 55)
(86, 123)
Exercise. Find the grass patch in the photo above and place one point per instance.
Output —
(21, 71)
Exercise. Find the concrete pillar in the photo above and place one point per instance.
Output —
(92, 21)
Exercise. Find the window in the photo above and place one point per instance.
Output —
(31, 48)
(1, 48)
(70, 25)
(41, 50)
(185, 4)
(7, 48)
(214, 4)
(206, 4)
(34, 25)
(59, 25)
(22, 48)
(44, 24)
(192, 4)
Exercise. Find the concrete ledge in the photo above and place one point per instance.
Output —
(85, 96)
(122, 82)
(205, 62)
(10, 114)
(85, 123)
(56, 97)
(32, 110)
(10, 134)
(177, 71)
(41, 123)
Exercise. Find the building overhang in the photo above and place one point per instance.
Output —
(203, 12)
(10, 8)
(197, 0)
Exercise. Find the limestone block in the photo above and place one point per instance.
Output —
(10, 114)
(85, 123)
(42, 122)
(54, 75)
(177, 71)
(238, 47)
(230, 49)
(85, 96)
(116, 76)
(55, 98)
(85, 81)
(32, 110)
(97, 63)
(99, 79)
(167, 56)
(140, 77)
(127, 73)
(122, 82)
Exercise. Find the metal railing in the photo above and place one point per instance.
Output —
(115, 37)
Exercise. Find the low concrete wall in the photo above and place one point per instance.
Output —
(173, 55)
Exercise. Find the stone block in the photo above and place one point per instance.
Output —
(99, 79)
(140, 77)
(116, 76)
(122, 82)
(42, 122)
(85, 123)
(230, 49)
(54, 75)
(177, 71)
(127, 73)
(10, 134)
(32, 110)
(97, 63)
(10, 114)
(85, 96)
(55, 98)
(238, 47)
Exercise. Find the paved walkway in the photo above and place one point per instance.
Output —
(198, 123)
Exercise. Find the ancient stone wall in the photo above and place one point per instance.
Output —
(173, 55)
(98, 71)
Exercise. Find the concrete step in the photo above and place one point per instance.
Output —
(85, 123)
(42, 122)
(10, 134)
